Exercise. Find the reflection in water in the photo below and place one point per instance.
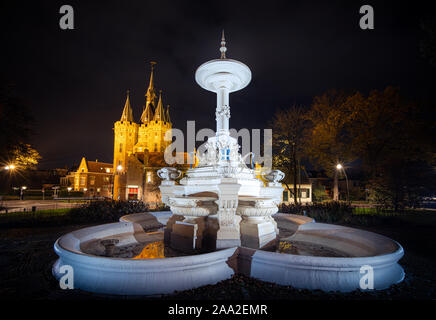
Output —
(136, 250)
(154, 250)
(307, 249)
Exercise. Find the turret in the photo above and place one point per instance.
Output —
(127, 114)
(125, 136)
(168, 119)
(159, 114)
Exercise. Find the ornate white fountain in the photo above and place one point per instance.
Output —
(221, 205)
(212, 199)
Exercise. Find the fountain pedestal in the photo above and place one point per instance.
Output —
(187, 235)
(257, 233)
(258, 229)
(186, 230)
(228, 222)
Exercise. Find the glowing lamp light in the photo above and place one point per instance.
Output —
(339, 166)
(23, 187)
(107, 170)
(120, 167)
(69, 189)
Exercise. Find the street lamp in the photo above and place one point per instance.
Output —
(341, 167)
(22, 192)
(10, 167)
(119, 169)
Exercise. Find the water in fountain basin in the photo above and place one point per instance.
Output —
(150, 246)
(306, 249)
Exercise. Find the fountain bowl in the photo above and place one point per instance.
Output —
(123, 276)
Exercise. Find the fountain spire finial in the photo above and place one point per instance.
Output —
(223, 48)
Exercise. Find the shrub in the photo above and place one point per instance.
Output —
(319, 192)
(106, 211)
(343, 213)
(332, 211)
(161, 207)
(98, 211)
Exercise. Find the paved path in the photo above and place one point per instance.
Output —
(26, 205)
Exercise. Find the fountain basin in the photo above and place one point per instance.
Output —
(164, 276)
(136, 276)
(360, 249)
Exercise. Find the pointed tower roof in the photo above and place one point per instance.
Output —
(147, 114)
(151, 92)
(167, 116)
(127, 111)
(159, 114)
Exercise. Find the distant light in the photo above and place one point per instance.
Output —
(10, 167)
(85, 189)
(24, 187)
(108, 170)
(69, 188)
(120, 167)
(339, 166)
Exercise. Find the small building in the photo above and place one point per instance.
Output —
(304, 193)
(93, 178)
(304, 188)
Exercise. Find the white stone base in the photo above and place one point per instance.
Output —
(187, 235)
(257, 233)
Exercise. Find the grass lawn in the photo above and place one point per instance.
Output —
(29, 218)
(27, 256)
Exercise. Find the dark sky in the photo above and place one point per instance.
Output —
(75, 81)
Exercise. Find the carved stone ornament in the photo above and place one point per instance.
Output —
(168, 173)
(223, 111)
(274, 176)
(228, 171)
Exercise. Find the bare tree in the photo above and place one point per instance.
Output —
(290, 130)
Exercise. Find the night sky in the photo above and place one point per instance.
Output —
(75, 81)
